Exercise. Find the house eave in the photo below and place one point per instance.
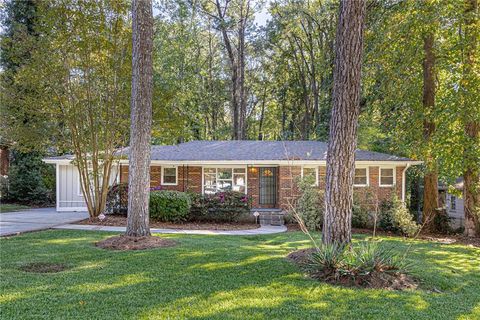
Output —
(254, 162)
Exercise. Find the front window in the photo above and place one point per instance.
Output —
(311, 172)
(361, 177)
(169, 175)
(224, 179)
(387, 178)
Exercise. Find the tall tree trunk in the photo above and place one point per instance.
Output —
(470, 84)
(5, 160)
(430, 191)
(241, 76)
(344, 122)
(141, 119)
(262, 113)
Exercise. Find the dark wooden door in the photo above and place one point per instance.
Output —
(268, 186)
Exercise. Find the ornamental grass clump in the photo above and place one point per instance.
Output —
(355, 265)
(366, 264)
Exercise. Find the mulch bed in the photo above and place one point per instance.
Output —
(44, 267)
(374, 280)
(121, 221)
(440, 238)
(123, 243)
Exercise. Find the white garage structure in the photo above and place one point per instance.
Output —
(69, 192)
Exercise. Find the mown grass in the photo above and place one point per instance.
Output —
(220, 277)
(9, 207)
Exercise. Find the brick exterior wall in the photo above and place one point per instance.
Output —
(190, 179)
(288, 193)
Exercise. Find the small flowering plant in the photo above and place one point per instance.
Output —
(225, 206)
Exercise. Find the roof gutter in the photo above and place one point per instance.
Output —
(253, 162)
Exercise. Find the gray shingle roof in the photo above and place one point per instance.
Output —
(246, 150)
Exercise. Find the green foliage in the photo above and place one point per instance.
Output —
(220, 207)
(369, 256)
(441, 222)
(309, 206)
(395, 217)
(360, 215)
(117, 199)
(326, 261)
(333, 261)
(170, 206)
(29, 180)
(21, 123)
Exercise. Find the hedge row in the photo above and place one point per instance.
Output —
(175, 206)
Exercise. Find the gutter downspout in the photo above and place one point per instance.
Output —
(404, 182)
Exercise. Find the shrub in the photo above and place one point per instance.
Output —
(220, 207)
(369, 256)
(360, 215)
(310, 205)
(169, 206)
(3, 187)
(117, 199)
(395, 217)
(442, 221)
(30, 180)
(333, 261)
(326, 261)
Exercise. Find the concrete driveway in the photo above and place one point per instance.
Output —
(12, 223)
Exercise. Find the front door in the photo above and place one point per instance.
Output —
(268, 186)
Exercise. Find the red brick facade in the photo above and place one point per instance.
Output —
(189, 178)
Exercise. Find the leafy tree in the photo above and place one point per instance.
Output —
(300, 38)
(79, 70)
(22, 126)
(232, 19)
(30, 180)
(470, 116)
(394, 87)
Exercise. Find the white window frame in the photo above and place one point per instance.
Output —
(368, 176)
(162, 174)
(316, 173)
(394, 169)
(224, 166)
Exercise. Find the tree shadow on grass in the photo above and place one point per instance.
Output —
(215, 277)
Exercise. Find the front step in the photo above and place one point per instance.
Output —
(271, 217)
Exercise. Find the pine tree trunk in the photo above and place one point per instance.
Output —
(4, 160)
(141, 119)
(470, 81)
(430, 191)
(343, 124)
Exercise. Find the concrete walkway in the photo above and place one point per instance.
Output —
(259, 231)
(12, 223)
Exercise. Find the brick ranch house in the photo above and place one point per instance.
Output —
(264, 170)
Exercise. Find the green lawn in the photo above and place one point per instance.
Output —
(9, 207)
(219, 277)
